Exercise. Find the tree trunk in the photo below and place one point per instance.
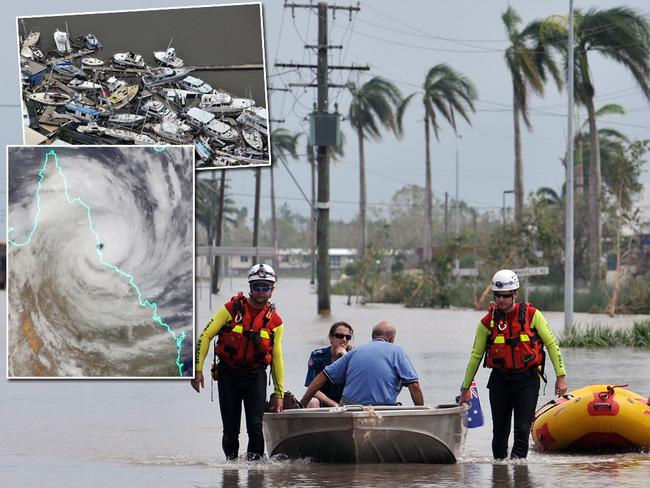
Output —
(594, 246)
(594, 227)
(579, 179)
(362, 197)
(274, 224)
(611, 306)
(219, 233)
(428, 224)
(519, 165)
(256, 214)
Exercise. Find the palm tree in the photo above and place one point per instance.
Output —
(446, 92)
(623, 186)
(583, 133)
(372, 104)
(623, 35)
(283, 145)
(528, 60)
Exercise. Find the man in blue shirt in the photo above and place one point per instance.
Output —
(373, 373)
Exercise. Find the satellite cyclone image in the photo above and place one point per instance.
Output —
(100, 262)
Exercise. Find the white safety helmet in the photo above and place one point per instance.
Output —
(261, 272)
(505, 280)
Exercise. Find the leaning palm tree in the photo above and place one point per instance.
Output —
(446, 92)
(528, 60)
(623, 35)
(283, 145)
(373, 104)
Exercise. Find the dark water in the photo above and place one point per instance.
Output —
(221, 35)
(127, 433)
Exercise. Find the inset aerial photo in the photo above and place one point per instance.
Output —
(168, 76)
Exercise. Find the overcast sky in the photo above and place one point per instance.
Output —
(401, 41)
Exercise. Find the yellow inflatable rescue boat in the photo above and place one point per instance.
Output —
(594, 418)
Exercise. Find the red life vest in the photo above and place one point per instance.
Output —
(512, 347)
(247, 342)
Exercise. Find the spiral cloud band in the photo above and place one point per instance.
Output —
(100, 261)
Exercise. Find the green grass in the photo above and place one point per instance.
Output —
(600, 336)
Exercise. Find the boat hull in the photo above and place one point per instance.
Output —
(595, 418)
(355, 434)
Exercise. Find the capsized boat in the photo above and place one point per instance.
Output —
(377, 434)
(128, 60)
(168, 58)
(594, 418)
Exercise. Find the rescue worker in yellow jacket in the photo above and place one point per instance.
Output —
(512, 335)
(249, 334)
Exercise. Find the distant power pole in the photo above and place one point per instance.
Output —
(324, 132)
(256, 213)
(446, 217)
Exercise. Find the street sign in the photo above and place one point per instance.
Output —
(465, 272)
(540, 271)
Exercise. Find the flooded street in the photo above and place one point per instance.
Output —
(133, 433)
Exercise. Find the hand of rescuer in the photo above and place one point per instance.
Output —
(277, 405)
(197, 382)
(465, 396)
(561, 386)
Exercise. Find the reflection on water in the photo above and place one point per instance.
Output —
(511, 476)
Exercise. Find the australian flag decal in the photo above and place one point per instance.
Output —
(474, 414)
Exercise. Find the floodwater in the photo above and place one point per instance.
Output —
(105, 433)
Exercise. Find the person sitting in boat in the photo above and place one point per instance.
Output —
(373, 373)
(329, 395)
(512, 335)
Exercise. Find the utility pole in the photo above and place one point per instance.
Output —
(446, 217)
(569, 217)
(322, 125)
(322, 161)
(312, 212)
(256, 213)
